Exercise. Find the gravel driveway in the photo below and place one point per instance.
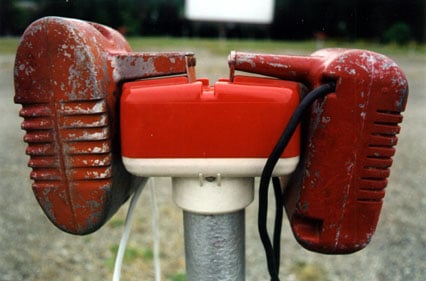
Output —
(32, 249)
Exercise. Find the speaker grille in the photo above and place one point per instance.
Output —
(379, 154)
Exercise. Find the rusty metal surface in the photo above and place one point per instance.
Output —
(335, 198)
(67, 77)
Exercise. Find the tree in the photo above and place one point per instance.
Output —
(7, 16)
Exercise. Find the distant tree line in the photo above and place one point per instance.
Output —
(385, 20)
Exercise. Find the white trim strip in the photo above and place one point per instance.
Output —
(193, 167)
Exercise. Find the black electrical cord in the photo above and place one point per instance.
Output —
(279, 212)
(272, 251)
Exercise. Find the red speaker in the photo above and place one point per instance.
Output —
(334, 198)
(68, 76)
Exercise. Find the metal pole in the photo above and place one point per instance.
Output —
(214, 225)
(215, 246)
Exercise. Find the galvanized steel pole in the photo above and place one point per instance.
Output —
(215, 246)
(214, 225)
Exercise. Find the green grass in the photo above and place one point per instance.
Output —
(131, 254)
(217, 46)
(304, 271)
(386, 49)
(177, 277)
(223, 47)
(8, 45)
(116, 222)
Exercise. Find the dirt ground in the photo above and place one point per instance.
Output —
(31, 248)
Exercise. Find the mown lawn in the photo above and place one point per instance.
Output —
(222, 47)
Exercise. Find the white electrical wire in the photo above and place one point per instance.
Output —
(155, 232)
(125, 236)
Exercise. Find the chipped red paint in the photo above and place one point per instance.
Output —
(334, 199)
(67, 74)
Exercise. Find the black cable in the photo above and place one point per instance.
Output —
(279, 211)
(273, 251)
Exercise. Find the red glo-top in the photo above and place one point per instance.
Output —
(172, 118)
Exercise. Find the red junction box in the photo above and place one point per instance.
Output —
(170, 127)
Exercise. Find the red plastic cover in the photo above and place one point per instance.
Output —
(177, 119)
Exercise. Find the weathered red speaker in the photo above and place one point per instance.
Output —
(334, 198)
(67, 77)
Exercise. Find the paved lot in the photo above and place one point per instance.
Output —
(32, 249)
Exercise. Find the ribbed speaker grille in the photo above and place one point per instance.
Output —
(79, 129)
(379, 156)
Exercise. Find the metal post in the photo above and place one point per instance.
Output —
(215, 246)
(214, 225)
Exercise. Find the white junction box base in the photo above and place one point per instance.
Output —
(209, 185)
(213, 195)
(192, 167)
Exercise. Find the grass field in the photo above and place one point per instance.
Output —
(222, 47)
